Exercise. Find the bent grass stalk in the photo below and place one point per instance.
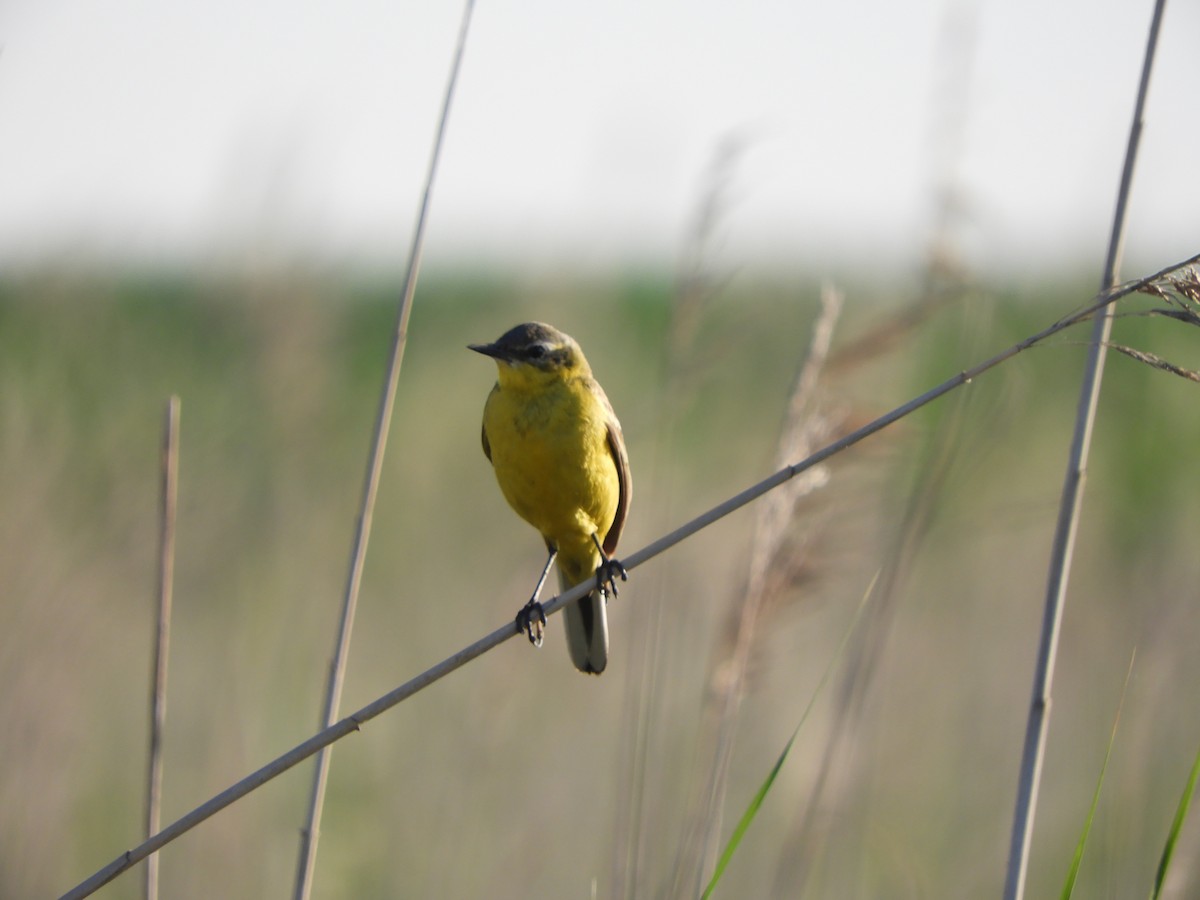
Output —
(1063, 546)
(337, 668)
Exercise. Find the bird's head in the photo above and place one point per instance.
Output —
(534, 352)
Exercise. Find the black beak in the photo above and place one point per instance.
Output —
(489, 350)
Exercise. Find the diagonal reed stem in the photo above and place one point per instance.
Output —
(162, 634)
(337, 668)
(353, 722)
(1070, 504)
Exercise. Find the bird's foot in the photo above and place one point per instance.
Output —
(606, 576)
(608, 570)
(531, 620)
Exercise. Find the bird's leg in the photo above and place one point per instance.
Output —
(531, 618)
(608, 570)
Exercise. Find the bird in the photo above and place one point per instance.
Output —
(558, 454)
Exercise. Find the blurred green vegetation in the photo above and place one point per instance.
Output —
(504, 780)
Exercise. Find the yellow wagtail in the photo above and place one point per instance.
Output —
(559, 456)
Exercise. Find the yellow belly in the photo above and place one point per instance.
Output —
(552, 460)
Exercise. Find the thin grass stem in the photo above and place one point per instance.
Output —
(1077, 860)
(337, 668)
(162, 635)
(1069, 508)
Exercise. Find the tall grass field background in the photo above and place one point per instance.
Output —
(517, 776)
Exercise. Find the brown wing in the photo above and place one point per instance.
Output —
(616, 446)
(487, 445)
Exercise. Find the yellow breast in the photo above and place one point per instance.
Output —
(549, 447)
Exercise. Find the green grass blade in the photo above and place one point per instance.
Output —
(748, 816)
(760, 795)
(1176, 827)
(1073, 872)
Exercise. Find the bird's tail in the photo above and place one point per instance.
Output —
(587, 629)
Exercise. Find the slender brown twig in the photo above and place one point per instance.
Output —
(162, 634)
(337, 668)
(1069, 508)
(353, 722)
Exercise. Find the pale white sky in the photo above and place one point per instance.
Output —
(172, 130)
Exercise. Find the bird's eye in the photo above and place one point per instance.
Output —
(536, 351)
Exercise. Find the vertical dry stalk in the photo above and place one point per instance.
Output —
(158, 690)
(803, 429)
(337, 668)
(1068, 515)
